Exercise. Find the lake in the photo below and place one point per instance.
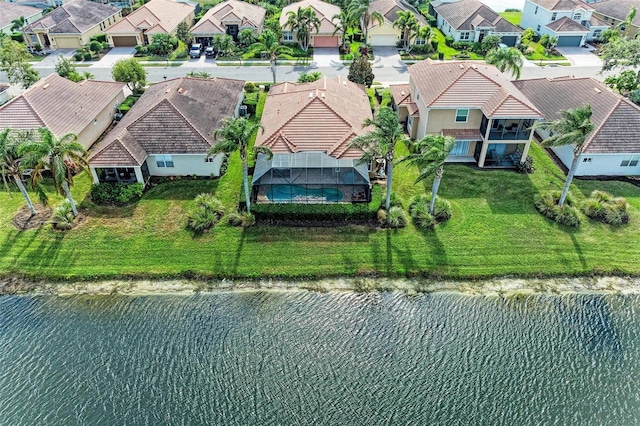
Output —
(305, 358)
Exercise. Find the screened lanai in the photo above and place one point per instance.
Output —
(310, 177)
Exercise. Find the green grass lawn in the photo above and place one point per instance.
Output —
(540, 55)
(449, 52)
(513, 17)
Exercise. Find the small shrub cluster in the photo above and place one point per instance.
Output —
(205, 214)
(448, 40)
(603, 207)
(243, 219)
(526, 166)
(568, 214)
(394, 218)
(419, 211)
(128, 103)
(62, 218)
(116, 193)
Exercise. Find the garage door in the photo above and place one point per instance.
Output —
(509, 40)
(383, 39)
(124, 41)
(569, 41)
(325, 41)
(67, 42)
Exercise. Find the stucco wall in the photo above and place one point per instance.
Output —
(186, 165)
(598, 164)
(445, 119)
(92, 132)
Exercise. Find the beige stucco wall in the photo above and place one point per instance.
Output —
(74, 41)
(186, 165)
(440, 119)
(92, 132)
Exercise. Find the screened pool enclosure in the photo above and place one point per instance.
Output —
(310, 177)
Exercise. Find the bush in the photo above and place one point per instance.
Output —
(87, 56)
(526, 166)
(441, 210)
(462, 45)
(448, 40)
(95, 47)
(249, 87)
(395, 218)
(62, 217)
(603, 207)
(548, 206)
(419, 212)
(102, 38)
(78, 56)
(105, 45)
(244, 219)
(396, 201)
(17, 37)
(115, 193)
(205, 214)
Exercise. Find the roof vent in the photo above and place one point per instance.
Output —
(181, 90)
(597, 90)
(46, 86)
(322, 95)
(475, 67)
(310, 95)
(344, 83)
(402, 93)
(461, 66)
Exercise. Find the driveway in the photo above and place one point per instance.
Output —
(580, 56)
(50, 60)
(326, 57)
(113, 56)
(387, 56)
(201, 62)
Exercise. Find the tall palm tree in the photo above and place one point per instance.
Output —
(425, 33)
(270, 44)
(10, 165)
(234, 135)
(302, 22)
(343, 21)
(506, 60)
(61, 156)
(18, 24)
(429, 155)
(408, 25)
(359, 9)
(572, 128)
(380, 143)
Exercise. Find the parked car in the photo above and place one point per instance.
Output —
(209, 52)
(195, 51)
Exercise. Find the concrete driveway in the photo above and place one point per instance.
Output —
(387, 56)
(581, 56)
(113, 56)
(326, 57)
(52, 58)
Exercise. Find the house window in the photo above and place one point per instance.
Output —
(577, 17)
(630, 161)
(465, 35)
(287, 36)
(164, 160)
(409, 123)
(420, 41)
(208, 159)
(462, 115)
(554, 15)
(460, 148)
(535, 12)
(597, 33)
(586, 160)
(34, 39)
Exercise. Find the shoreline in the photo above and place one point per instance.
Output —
(499, 287)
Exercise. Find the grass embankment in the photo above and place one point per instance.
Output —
(495, 230)
(513, 17)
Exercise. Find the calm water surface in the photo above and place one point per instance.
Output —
(300, 358)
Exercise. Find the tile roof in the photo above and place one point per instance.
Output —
(74, 17)
(157, 16)
(402, 96)
(468, 85)
(618, 9)
(249, 15)
(563, 4)
(11, 11)
(320, 116)
(466, 15)
(390, 8)
(616, 119)
(323, 10)
(565, 24)
(463, 134)
(176, 116)
(59, 104)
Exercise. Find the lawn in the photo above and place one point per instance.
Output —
(449, 52)
(513, 17)
(539, 54)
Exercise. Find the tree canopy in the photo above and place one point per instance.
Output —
(14, 62)
(360, 71)
(131, 72)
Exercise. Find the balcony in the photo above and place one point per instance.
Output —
(506, 129)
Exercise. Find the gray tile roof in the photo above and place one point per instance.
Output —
(562, 4)
(465, 15)
(616, 119)
(565, 24)
(11, 11)
(618, 9)
(74, 17)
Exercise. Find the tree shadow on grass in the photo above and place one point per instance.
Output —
(181, 189)
(578, 249)
(22, 239)
(48, 251)
(238, 253)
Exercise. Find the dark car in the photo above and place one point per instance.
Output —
(209, 52)
(195, 51)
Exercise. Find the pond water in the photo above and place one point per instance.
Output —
(303, 358)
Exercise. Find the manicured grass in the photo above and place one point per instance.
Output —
(450, 52)
(540, 55)
(513, 17)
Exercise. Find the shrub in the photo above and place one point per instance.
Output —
(95, 47)
(116, 193)
(396, 218)
(526, 166)
(419, 212)
(206, 212)
(105, 45)
(568, 214)
(603, 207)
(243, 219)
(441, 210)
(78, 56)
(17, 37)
(396, 201)
(87, 56)
(102, 38)
(448, 40)
(62, 217)
(462, 45)
(381, 215)
(249, 87)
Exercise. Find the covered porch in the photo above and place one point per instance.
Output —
(121, 174)
(471, 147)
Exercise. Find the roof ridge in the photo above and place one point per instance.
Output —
(340, 141)
(336, 146)
(599, 128)
(175, 108)
(33, 109)
(279, 129)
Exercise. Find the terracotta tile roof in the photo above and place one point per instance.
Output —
(320, 116)
(562, 4)
(617, 120)
(322, 9)
(618, 9)
(173, 117)
(11, 11)
(402, 96)
(469, 85)
(466, 15)
(390, 8)
(249, 15)
(59, 104)
(74, 17)
(565, 24)
(157, 16)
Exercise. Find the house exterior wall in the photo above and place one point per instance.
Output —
(72, 41)
(598, 164)
(385, 29)
(440, 119)
(631, 30)
(92, 132)
(186, 165)
(537, 17)
(28, 20)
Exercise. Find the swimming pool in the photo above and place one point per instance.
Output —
(299, 194)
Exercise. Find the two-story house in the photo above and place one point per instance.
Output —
(571, 21)
(229, 17)
(325, 12)
(476, 104)
(614, 12)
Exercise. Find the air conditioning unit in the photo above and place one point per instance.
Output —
(243, 110)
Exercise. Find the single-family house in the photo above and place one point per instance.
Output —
(12, 11)
(85, 108)
(71, 25)
(614, 12)
(476, 104)
(308, 128)
(471, 20)
(168, 132)
(571, 21)
(613, 148)
(325, 12)
(154, 17)
(229, 17)
(386, 34)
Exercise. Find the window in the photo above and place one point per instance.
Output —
(287, 35)
(535, 12)
(586, 160)
(597, 34)
(208, 159)
(462, 115)
(577, 17)
(34, 39)
(464, 35)
(409, 122)
(630, 161)
(420, 41)
(554, 16)
(460, 148)
(538, 28)
(164, 160)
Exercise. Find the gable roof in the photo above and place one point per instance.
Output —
(402, 96)
(467, 15)
(466, 85)
(390, 8)
(618, 9)
(74, 17)
(173, 117)
(249, 15)
(324, 12)
(320, 116)
(562, 4)
(566, 25)
(59, 104)
(11, 11)
(157, 16)
(616, 119)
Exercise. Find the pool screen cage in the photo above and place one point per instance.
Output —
(310, 177)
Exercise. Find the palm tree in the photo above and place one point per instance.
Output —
(359, 9)
(234, 135)
(10, 166)
(380, 143)
(223, 43)
(506, 60)
(572, 128)
(61, 156)
(18, 24)
(408, 25)
(302, 22)
(344, 22)
(429, 155)
(425, 33)
(269, 44)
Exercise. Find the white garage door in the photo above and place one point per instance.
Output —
(383, 40)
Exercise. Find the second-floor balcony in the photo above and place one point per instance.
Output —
(506, 129)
